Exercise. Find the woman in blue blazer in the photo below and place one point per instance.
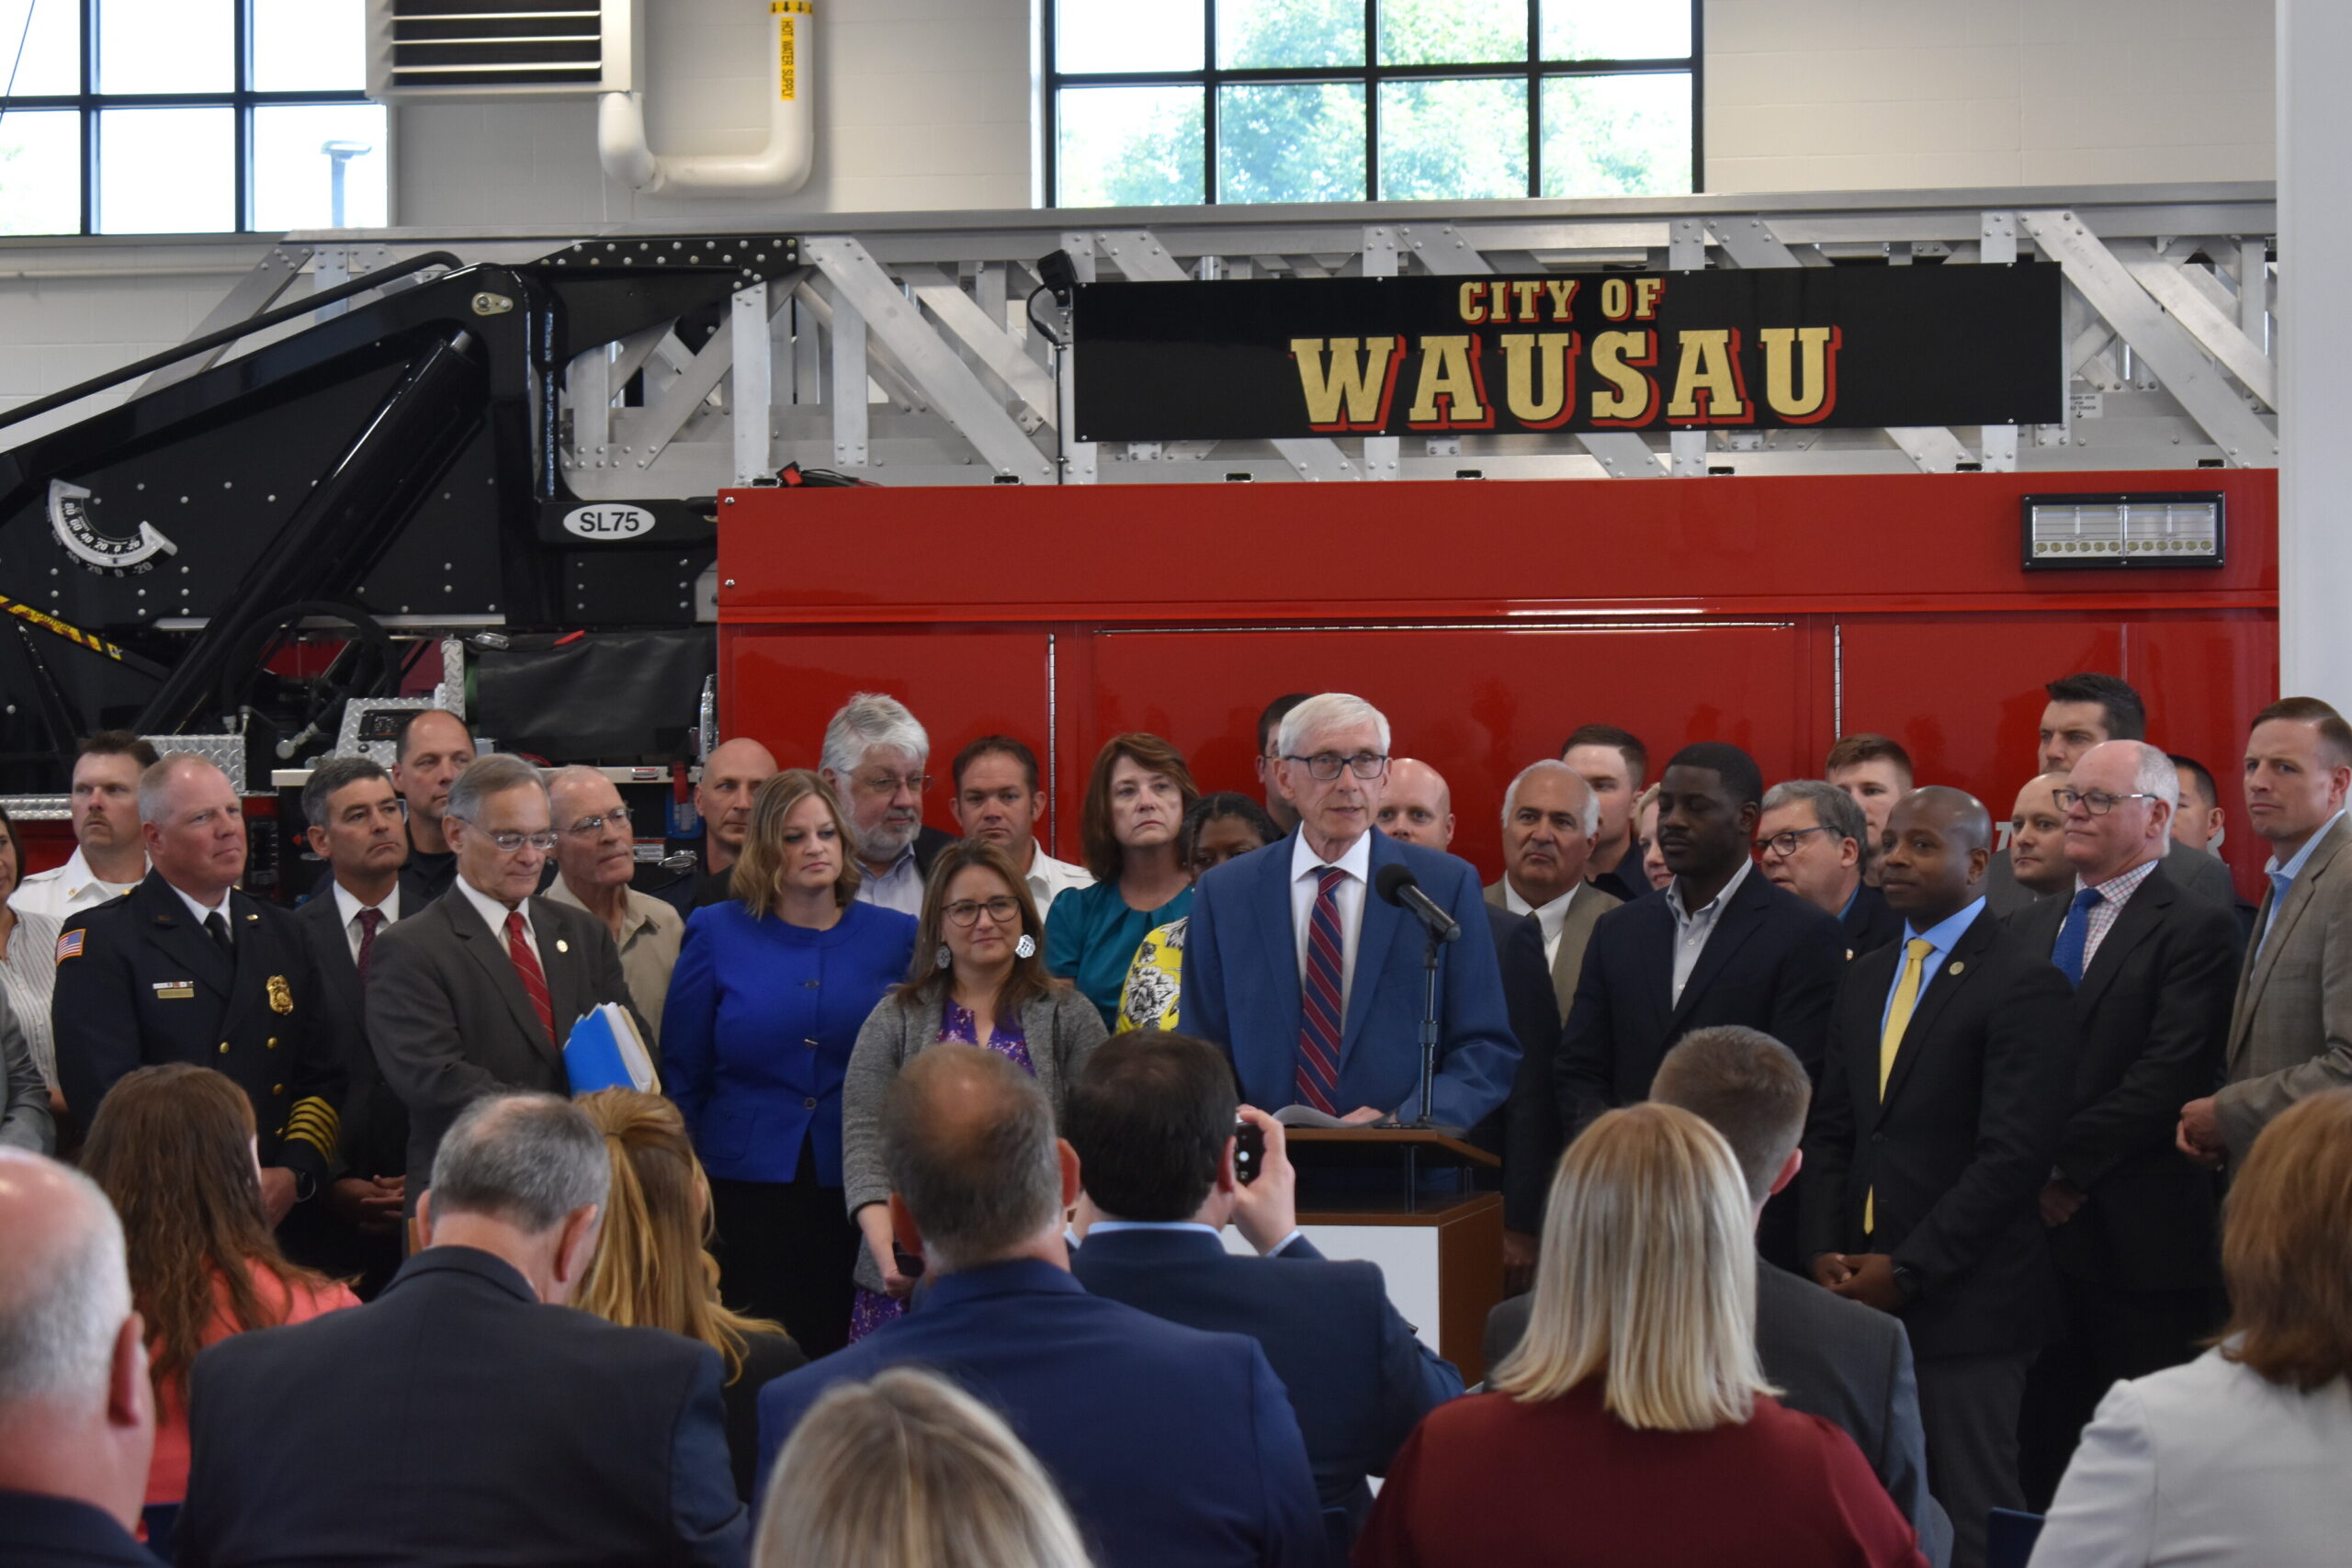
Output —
(765, 1002)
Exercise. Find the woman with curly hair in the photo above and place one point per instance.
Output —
(652, 1266)
(171, 1146)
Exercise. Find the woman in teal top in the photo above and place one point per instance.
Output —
(1135, 808)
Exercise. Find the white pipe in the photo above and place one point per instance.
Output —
(778, 169)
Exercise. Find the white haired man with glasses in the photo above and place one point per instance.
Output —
(1313, 983)
(595, 855)
(478, 991)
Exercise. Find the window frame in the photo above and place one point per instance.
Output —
(242, 100)
(1533, 71)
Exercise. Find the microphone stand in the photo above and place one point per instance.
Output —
(1430, 946)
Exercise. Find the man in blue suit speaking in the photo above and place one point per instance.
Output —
(1310, 981)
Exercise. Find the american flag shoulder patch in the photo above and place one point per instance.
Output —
(70, 946)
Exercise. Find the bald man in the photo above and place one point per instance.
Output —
(1947, 1084)
(77, 1415)
(2038, 837)
(184, 967)
(732, 775)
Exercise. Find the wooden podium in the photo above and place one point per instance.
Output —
(1401, 1197)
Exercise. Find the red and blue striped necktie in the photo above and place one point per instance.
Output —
(1322, 1018)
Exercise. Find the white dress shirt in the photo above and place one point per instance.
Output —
(1693, 927)
(202, 913)
(67, 890)
(494, 914)
(1050, 878)
(899, 888)
(1304, 868)
(348, 905)
(1552, 916)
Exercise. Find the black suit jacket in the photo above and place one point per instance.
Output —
(1831, 1358)
(450, 1022)
(1525, 1129)
(38, 1530)
(496, 1430)
(375, 1122)
(2154, 1016)
(1958, 1151)
(1357, 1375)
(141, 983)
(1869, 922)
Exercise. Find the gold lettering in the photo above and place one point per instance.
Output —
(1619, 358)
(1545, 360)
(1616, 300)
(1350, 388)
(1527, 292)
(1647, 291)
(1564, 294)
(1473, 302)
(1707, 366)
(1813, 363)
(1449, 371)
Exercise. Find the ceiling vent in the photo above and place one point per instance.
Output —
(421, 50)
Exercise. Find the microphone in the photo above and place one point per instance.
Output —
(1397, 883)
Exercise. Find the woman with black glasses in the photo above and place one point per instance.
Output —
(978, 979)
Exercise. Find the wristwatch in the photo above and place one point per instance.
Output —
(1907, 1280)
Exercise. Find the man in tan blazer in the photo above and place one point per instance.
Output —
(2290, 1032)
(1550, 815)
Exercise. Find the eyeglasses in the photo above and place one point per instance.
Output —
(892, 783)
(1325, 765)
(967, 911)
(509, 843)
(2097, 802)
(589, 827)
(1785, 844)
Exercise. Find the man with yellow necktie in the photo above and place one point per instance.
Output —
(1947, 1080)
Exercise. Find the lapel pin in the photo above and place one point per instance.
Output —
(562, 946)
(1956, 967)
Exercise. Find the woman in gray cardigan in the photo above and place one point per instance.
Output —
(978, 979)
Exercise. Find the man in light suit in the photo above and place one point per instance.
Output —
(1834, 1358)
(1174, 1449)
(2291, 1032)
(480, 990)
(1152, 1120)
(1337, 1027)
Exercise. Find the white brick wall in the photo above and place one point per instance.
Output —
(1858, 95)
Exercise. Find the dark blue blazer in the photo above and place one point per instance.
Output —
(490, 1429)
(1174, 1449)
(1241, 989)
(1359, 1377)
(1870, 922)
(40, 1532)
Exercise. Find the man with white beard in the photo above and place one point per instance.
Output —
(874, 757)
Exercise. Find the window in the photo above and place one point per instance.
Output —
(186, 117)
(1196, 101)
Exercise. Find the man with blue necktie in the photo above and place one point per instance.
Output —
(1950, 1070)
(2131, 1225)
(1313, 983)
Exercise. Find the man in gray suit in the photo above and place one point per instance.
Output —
(479, 990)
(1550, 815)
(2291, 1032)
(1832, 1357)
(2083, 711)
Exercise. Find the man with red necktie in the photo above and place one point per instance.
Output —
(479, 990)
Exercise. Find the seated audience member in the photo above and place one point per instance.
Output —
(2238, 1456)
(651, 1269)
(467, 1415)
(1270, 756)
(172, 1150)
(77, 1417)
(874, 757)
(732, 777)
(109, 854)
(1834, 1358)
(1873, 772)
(1615, 762)
(2200, 824)
(25, 1120)
(1809, 840)
(28, 966)
(1313, 983)
(2038, 840)
(1152, 1120)
(765, 1005)
(1653, 867)
(595, 855)
(354, 823)
(435, 747)
(998, 800)
(1135, 808)
(478, 991)
(976, 980)
(910, 1472)
(1175, 1447)
(1633, 1424)
(1218, 827)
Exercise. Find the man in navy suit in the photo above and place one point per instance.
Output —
(496, 1425)
(1311, 982)
(1152, 1120)
(1174, 1448)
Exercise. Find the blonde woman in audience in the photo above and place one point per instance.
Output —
(2240, 1456)
(171, 1146)
(910, 1471)
(1633, 1426)
(652, 1266)
(1645, 840)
